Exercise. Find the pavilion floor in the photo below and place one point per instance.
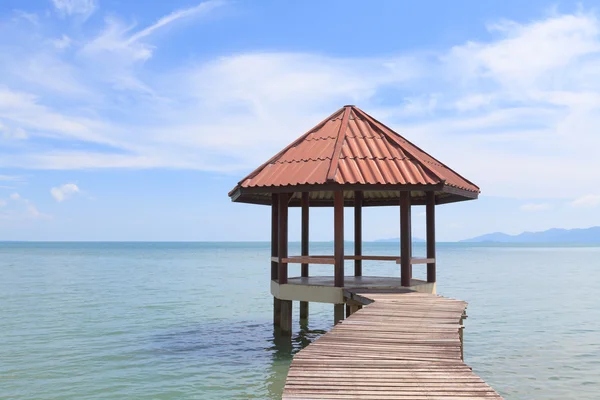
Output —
(355, 282)
(322, 289)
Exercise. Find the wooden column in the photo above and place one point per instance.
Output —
(286, 317)
(304, 237)
(405, 240)
(338, 238)
(283, 237)
(274, 234)
(304, 250)
(338, 313)
(358, 201)
(430, 212)
(274, 250)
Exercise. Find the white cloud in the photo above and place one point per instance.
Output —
(590, 200)
(535, 207)
(10, 178)
(63, 192)
(22, 207)
(2, 203)
(75, 7)
(516, 113)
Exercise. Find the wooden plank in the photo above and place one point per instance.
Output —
(308, 259)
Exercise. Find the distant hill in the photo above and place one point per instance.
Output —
(555, 235)
(397, 240)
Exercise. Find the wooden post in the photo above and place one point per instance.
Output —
(358, 201)
(461, 335)
(304, 250)
(338, 313)
(430, 211)
(303, 310)
(276, 311)
(338, 235)
(283, 237)
(405, 240)
(286, 317)
(274, 250)
(274, 235)
(304, 240)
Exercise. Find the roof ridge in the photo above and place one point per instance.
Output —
(375, 123)
(337, 150)
(416, 147)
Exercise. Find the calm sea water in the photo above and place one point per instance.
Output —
(193, 320)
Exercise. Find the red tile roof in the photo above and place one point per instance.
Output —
(352, 148)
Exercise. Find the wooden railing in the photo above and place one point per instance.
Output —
(330, 259)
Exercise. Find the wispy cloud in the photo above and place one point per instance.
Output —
(75, 7)
(201, 8)
(535, 207)
(515, 128)
(63, 192)
(19, 207)
(590, 200)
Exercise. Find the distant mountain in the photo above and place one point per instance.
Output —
(555, 235)
(397, 240)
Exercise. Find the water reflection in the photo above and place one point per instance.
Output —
(283, 349)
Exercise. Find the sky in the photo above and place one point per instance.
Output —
(131, 120)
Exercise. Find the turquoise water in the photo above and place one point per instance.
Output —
(193, 320)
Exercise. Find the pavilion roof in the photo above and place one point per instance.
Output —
(350, 150)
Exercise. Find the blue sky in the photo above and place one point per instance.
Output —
(131, 120)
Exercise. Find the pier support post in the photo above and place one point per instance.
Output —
(276, 311)
(338, 313)
(461, 330)
(358, 201)
(303, 311)
(430, 222)
(338, 238)
(405, 240)
(286, 317)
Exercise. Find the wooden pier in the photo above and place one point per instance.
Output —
(400, 345)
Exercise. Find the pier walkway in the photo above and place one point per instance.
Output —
(402, 345)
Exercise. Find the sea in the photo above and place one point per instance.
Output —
(194, 320)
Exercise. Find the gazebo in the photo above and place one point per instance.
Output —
(348, 160)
